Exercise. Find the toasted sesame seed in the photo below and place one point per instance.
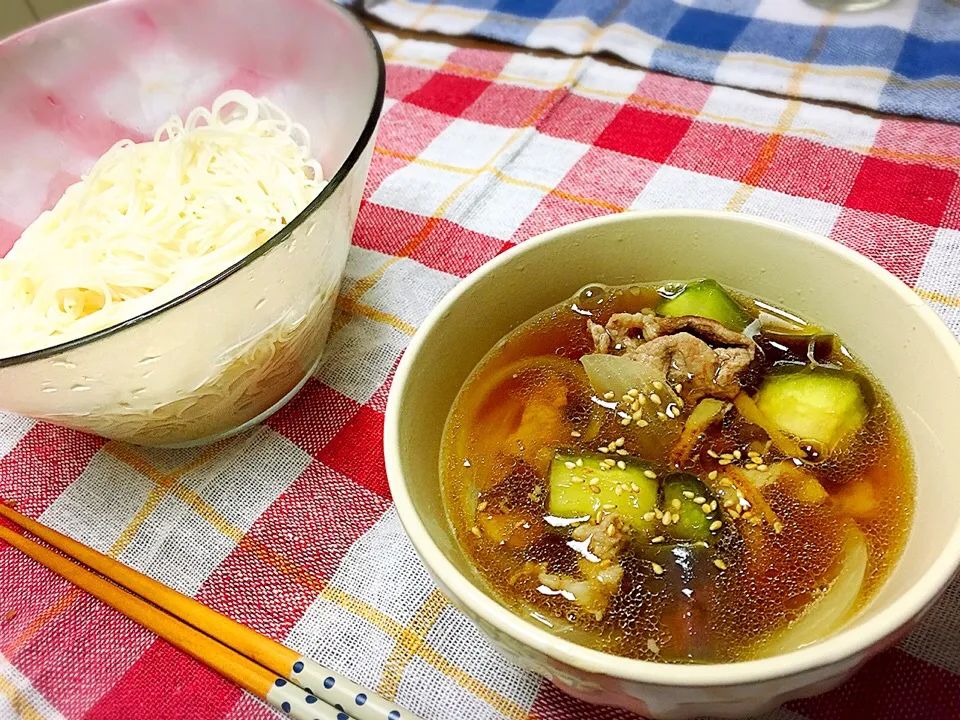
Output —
(726, 456)
(720, 564)
(649, 516)
(609, 395)
(475, 530)
(609, 506)
(728, 503)
(680, 401)
(595, 488)
(594, 482)
(746, 515)
(603, 449)
(627, 398)
(657, 385)
(642, 399)
(634, 487)
(658, 513)
(482, 506)
(712, 475)
(726, 482)
(620, 441)
(618, 491)
(570, 465)
(650, 474)
(633, 392)
(577, 479)
(637, 415)
(635, 407)
(734, 514)
(642, 423)
(750, 466)
(655, 399)
(712, 454)
(611, 530)
(574, 433)
(762, 468)
(705, 507)
(670, 412)
(737, 454)
(665, 519)
(621, 464)
(777, 527)
(621, 451)
(715, 525)
(598, 517)
(755, 520)
(725, 461)
(662, 416)
(626, 421)
(657, 539)
(713, 505)
(657, 569)
(699, 499)
(687, 494)
(675, 503)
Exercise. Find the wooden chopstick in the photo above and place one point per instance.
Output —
(248, 658)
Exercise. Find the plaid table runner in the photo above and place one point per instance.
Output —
(903, 59)
(290, 528)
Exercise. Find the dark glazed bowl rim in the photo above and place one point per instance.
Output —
(366, 135)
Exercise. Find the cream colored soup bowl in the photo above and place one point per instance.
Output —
(907, 347)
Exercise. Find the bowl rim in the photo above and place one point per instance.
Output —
(837, 648)
(365, 137)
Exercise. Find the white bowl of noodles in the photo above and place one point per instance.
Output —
(918, 365)
(176, 210)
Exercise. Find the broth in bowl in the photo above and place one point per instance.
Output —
(677, 473)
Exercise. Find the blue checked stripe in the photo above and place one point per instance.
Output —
(904, 59)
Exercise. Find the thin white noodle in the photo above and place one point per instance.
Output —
(153, 220)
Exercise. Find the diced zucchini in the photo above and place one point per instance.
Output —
(572, 495)
(708, 299)
(690, 494)
(817, 403)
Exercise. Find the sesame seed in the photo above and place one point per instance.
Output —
(676, 503)
(642, 423)
(621, 464)
(720, 564)
(657, 569)
(609, 506)
(665, 519)
(595, 488)
(712, 475)
(619, 442)
(705, 507)
(661, 415)
(725, 461)
(755, 520)
(577, 479)
(642, 400)
(711, 453)
(611, 530)
(475, 530)
(728, 503)
(701, 543)
(670, 412)
(634, 487)
(726, 456)
(649, 516)
(678, 387)
(574, 433)
(621, 451)
(737, 454)
(482, 506)
(635, 407)
(699, 499)
(713, 505)
(747, 514)
(650, 474)
(734, 514)
(715, 525)
(777, 527)
(680, 401)
(657, 539)
(750, 466)
(627, 398)
(655, 399)
(609, 395)
(626, 421)
(633, 392)
(637, 415)
(570, 465)
(762, 468)
(594, 482)
(598, 517)
(657, 385)
(687, 494)
(618, 491)
(726, 482)
(603, 449)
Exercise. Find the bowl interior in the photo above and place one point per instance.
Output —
(72, 87)
(911, 353)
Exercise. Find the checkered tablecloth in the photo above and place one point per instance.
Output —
(902, 59)
(290, 528)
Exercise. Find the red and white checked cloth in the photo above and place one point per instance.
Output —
(290, 527)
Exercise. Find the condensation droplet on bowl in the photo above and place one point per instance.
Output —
(64, 364)
(79, 388)
(149, 359)
(260, 303)
(49, 390)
